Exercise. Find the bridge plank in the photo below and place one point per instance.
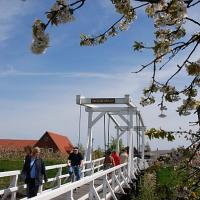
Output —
(79, 192)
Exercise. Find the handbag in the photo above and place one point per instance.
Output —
(23, 174)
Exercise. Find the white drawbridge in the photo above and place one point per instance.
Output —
(96, 183)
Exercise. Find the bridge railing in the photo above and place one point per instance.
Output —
(113, 182)
(55, 182)
(101, 185)
(110, 181)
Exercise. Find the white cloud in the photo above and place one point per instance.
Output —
(10, 11)
(53, 107)
(10, 71)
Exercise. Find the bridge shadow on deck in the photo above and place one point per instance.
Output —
(81, 191)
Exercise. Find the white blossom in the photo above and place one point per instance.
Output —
(40, 46)
(60, 13)
(40, 39)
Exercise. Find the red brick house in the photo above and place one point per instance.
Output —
(50, 142)
(54, 142)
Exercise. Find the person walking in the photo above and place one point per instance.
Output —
(28, 151)
(108, 161)
(123, 156)
(116, 157)
(75, 163)
(34, 169)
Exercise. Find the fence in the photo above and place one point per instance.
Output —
(109, 181)
(56, 181)
(112, 180)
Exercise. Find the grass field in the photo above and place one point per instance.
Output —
(10, 165)
(168, 176)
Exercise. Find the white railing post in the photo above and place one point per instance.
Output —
(92, 167)
(99, 163)
(110, 189)
(40, 188)
(93, 194)
(117, 179)
(113, 179)
(104, 187)
(58, 176)
(69, 195)
(124, 179)
(13, 184)
(83, 173)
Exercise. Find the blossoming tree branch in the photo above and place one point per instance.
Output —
(170, 39)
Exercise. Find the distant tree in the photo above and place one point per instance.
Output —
(113, 144)
(98, 153)
(81, 148)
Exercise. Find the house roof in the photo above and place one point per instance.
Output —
(62, 142)
(17, 144)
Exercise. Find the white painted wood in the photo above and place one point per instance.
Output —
(124, 119)
(69, 195)
(56, 192)
(93, 192)
(58, 176)
(97, 118)
(88, 101)
(110, 189)
(118, 183)
(122, 110)
(88, 154)
(104, 187)
(13, 188)
(9, 173)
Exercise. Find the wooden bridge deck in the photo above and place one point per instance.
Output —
(81, 191)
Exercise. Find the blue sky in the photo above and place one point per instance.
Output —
(37, 92)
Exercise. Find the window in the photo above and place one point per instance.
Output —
(50, 150)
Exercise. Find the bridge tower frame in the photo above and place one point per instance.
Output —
(125, 113)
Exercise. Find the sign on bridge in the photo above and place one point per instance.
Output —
(102, 100)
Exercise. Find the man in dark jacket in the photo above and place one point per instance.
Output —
(75, 163)
(34, 169)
